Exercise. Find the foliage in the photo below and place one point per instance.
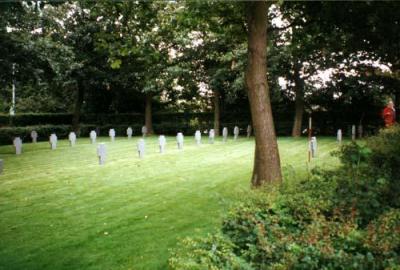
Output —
(212, 252)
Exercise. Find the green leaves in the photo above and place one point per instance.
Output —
(115, 63)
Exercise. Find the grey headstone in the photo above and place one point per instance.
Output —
(93, 136)
(225, 134)
(339, 136)
(360, 131)
(313, 147)
(144, 131)
(249, 131)
(141, 148)
(197, 137)
(111, 133)
(161, 143)
(53, 141)
(353, 132)
(72, 138)
(1, 165)
(129, 132)
(102, 153)
(211, 136)
(18, 145)
(235, 132)
(179, 140)
(34, 136)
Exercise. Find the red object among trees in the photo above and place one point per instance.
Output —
(389, 116)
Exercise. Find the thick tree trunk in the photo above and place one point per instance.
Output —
(148, 114)
(267, 166)
(77, 109)
(217, 112)
(299, 102)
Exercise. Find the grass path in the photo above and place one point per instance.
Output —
(61, 210)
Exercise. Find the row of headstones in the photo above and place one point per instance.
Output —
(141, 146)
(17, 142)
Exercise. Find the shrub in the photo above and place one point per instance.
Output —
(213, 252)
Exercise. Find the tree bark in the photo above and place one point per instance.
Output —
(77, 108)
(267, 166)
(217, 112)
(299, 102)
(148, 114)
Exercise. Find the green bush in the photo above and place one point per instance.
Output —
(213, 252)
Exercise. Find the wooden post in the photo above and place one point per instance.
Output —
(309, 137)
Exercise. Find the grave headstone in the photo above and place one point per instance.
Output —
(353, 132)
(225, 134)
(129, 132)
(111, 133)
(197, 137)
(34, 136)
(102, 153)
(93, 136)
(144, 131)
(313, 146)
(248, 131)
(179, 140)
(53, 141)
(141, 148)
(161, 143)
(72, 138)
(235, 132)
(1, 165)
(18, 145)
(360, 131)
(211, 136)
(339, 136)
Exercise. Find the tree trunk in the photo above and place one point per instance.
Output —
(77, 109)
(267, 166)
(299, 102)
(217, 112)
(148, 114)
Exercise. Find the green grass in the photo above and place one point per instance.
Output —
(61, 210)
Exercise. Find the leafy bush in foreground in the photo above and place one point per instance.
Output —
(348, 218)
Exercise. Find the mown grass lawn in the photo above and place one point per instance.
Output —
(61, 210)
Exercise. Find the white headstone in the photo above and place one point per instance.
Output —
(353, 132)
(313, 147)
(53, 141)
(34, 136)
(111, 133)
(1, 165)
(93, 136)
(72, 138)
(211, 136)
(235, 132)
(18, 145)
(197, 137)
(101, 153)
(248, 131)
(179, 140)
(339, 136)
(129, 132)
(162, 142)
(144, 131)
(225, 133)
(141, 148)
(360, 131)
